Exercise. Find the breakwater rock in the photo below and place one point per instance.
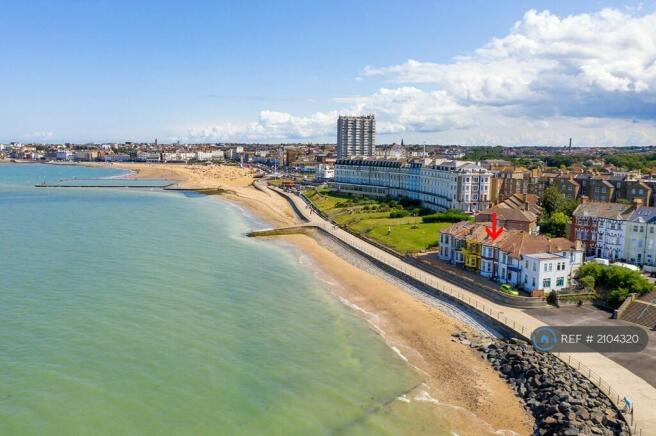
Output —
(562, 400)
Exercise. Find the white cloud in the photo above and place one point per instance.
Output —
(589, 76)
(270, 126)
(39, 136)
(411, 109)
(589, 64)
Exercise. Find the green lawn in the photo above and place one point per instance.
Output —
(408, 238)
(405, 235)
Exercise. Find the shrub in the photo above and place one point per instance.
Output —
(552, 298)
(399, 214)
(617, 297)
(407, 202)
(613, 282)
(587, 282)
(450, 216)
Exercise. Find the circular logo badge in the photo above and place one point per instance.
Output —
(544, 339)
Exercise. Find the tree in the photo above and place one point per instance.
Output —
(614, 283)
(554, 225)
(554, 201)
(551, 199)
(588, 282)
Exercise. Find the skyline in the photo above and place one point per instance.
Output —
(534, 73)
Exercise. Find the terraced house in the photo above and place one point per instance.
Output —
(600, 227)
(531, 262)
(439, 184)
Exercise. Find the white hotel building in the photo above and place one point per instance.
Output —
(439, 184)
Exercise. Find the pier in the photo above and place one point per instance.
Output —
(121, 185)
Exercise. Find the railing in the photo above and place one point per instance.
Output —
(451, 291)
(614, 396)
(625, 305)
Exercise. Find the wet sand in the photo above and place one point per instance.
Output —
(456, 376)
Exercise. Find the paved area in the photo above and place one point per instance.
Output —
(642, 364)
(619, 378)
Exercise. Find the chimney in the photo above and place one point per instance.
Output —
(637, 203)
(584, 199)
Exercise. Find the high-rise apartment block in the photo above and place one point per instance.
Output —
(356, 136)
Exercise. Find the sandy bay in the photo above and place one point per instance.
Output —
(455, 375)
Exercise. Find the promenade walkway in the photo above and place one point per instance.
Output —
(613, 379)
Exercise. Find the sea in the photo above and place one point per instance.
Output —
(139, 311)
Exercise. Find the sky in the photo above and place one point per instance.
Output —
(448, 72)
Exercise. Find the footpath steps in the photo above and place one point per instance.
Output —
(642, 311)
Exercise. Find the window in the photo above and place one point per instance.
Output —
(546, 283)
(560, 281)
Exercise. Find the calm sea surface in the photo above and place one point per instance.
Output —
(130, 311)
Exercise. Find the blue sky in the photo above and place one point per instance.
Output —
(280, 71)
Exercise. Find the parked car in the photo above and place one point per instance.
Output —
(505, 288)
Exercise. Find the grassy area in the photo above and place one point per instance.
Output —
(278, 182)
(408, 238)
(371, 218)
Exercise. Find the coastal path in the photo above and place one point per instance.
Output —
(612, 378)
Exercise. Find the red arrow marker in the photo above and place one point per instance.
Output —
(493, 232)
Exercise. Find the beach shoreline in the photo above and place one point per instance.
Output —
(455, 375)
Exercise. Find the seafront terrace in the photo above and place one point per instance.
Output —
(613, 379)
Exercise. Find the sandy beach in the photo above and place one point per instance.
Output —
(455, 375)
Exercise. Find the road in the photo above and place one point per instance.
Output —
(642, 364)
(601, 370)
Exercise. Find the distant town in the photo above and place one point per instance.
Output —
(521, 225)
(558, 205)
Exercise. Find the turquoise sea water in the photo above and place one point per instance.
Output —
(128, 311)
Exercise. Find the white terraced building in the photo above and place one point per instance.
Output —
(439, 184)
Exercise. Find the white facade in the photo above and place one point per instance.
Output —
(640, 237)
(516, 258)
(546, 271)
(65, 155)
(209, 155)
(324, 172)
(629, 237)
(439, 184)
(118, 157)
(145, 156)
(610, 238)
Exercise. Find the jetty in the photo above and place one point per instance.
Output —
(113, 185)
